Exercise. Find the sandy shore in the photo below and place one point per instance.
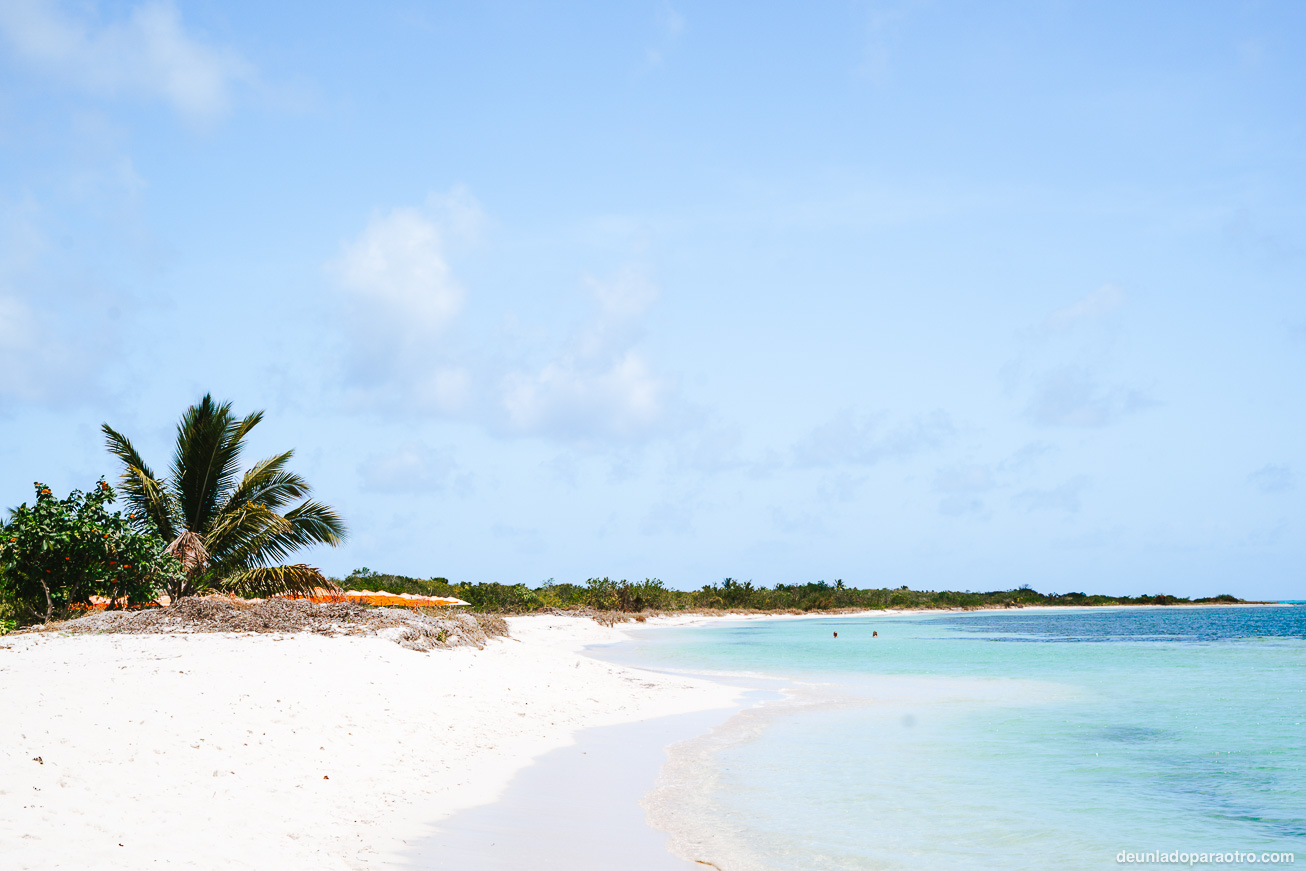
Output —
(299, 751)
(289, 751)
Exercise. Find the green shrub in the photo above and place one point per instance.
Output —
(8, 612)
(501, 598)
(57, 553)
(651, 594)
(366, 579)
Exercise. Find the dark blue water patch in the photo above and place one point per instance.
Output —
(1232, 787)
(1133, 734)
(1126, 624)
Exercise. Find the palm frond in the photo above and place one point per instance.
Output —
(268, 483)
(315, 523)
(207, 458)
(309, 524)
(144, 494)
(235, 443)
(236, 536)
(299, 579)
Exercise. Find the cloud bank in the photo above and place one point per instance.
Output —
(407, 340)
(412, 467)
(148, 54)
(849, 439)
(600, 384)
(1063, 367)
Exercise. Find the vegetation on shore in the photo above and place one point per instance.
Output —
(605, 594)
(57, 553)
(229, 530)
(202, 527)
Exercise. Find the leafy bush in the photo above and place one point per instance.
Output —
(606, 594)
(8, 613)
(515, 599)
(489, 597)
(57, 553)
(366, 579)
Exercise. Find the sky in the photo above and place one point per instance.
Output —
(952, 295)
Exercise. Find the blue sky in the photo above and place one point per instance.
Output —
(950, 295)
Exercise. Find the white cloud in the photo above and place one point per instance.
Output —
(57, 334)
(410, 468)
(961, 486)
(397, 265)
(848, 439)
(1026, 456)
(803, 523)
(1272, 478)
(447, 388)
(407, 353)
(400, 299)
(627, 296)
(149, 53)
(458, 213)
(49, 355)
(600, 385)
(1064, 366)
(670, 24)
(884, 24)
(964, 478)
(572, 396)
(710, 448)
(1071, 397)
(1064, 497)
(1095, 305)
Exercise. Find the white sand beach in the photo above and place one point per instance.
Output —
(288, 751)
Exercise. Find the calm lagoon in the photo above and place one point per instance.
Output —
(1013, 739)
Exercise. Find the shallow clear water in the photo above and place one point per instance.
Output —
(1031, 739)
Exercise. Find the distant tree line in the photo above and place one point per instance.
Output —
(651, 594)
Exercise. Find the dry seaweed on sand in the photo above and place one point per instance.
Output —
(415, 630)
(601, 616)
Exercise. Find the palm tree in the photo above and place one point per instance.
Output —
(229, 531)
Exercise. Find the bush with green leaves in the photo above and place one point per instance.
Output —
(57, 553)
(651, 594)
(366, 579)
(8, 621)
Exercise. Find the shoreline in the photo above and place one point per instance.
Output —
(708, 827)
(689, 618)
(580, 807)
(301, 751)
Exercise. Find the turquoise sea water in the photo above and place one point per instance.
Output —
(1029, 739)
